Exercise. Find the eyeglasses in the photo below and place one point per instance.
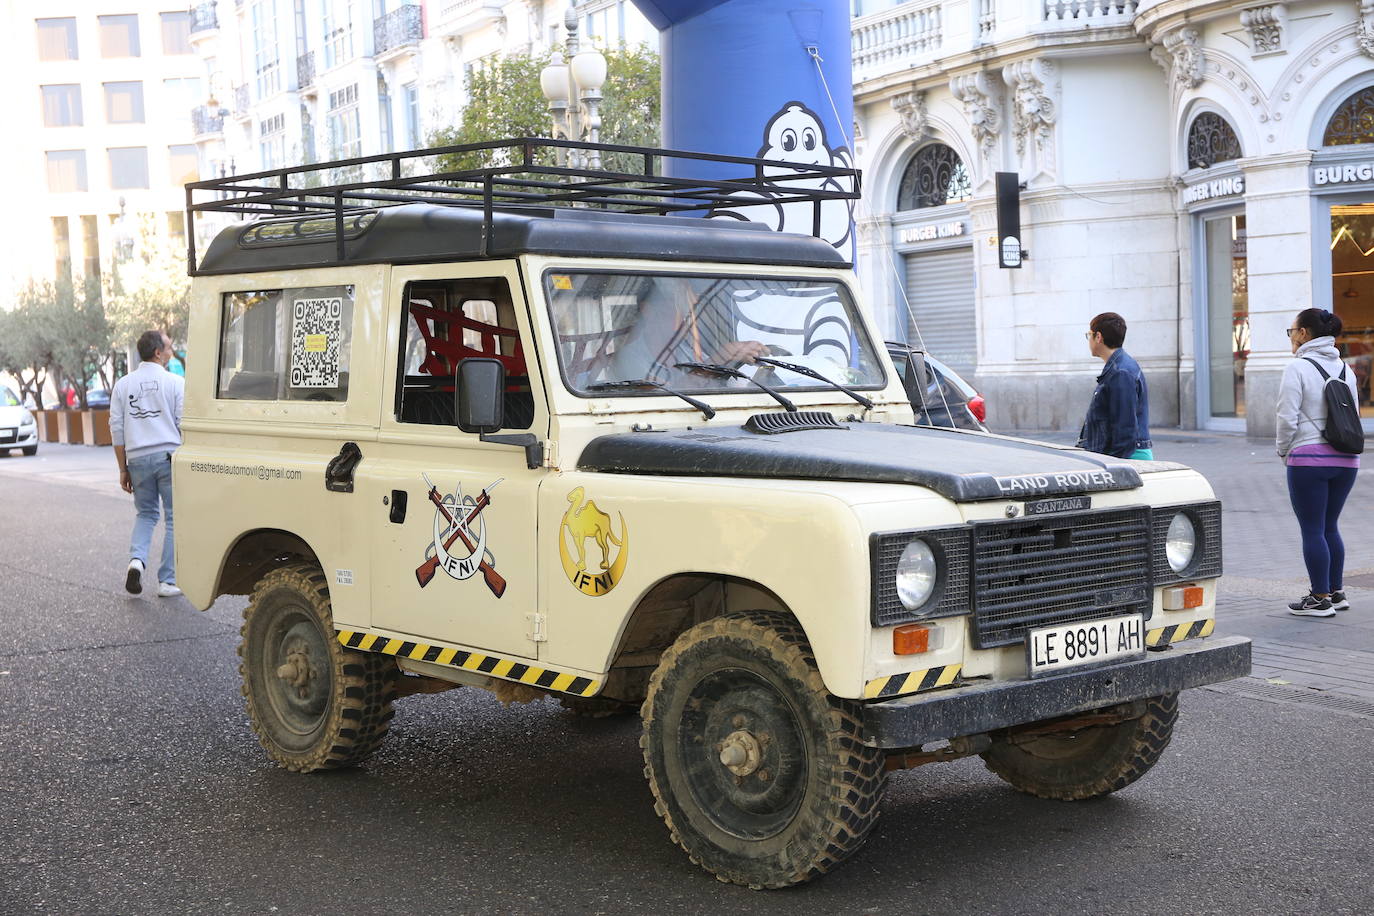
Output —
(1291, 331)
(1088, 335)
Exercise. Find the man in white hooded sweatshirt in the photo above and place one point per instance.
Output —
(145, 425)
(1320, 477)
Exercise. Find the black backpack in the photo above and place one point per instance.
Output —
(1343, 429)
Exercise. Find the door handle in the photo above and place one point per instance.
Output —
(398, 506)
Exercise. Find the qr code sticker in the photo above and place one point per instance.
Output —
(316, 331)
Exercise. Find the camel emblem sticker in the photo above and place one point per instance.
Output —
(460, 538)
(583, 523)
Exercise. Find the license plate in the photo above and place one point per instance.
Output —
(1092, 642)
(1063, 504)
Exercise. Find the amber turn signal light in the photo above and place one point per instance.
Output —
(1182, 597)
(911, 639)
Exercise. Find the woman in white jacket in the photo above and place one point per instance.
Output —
(1319, 476)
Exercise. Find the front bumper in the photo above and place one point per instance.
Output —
(981, 707)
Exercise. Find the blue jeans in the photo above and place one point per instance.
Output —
(1318, 495)
(152, 479)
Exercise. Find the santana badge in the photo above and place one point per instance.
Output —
(458, 518)
(584, 522)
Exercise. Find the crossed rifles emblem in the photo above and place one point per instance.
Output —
(454, 518)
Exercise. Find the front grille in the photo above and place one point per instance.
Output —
(9, 435)
(1058, 569)
(1207, 559)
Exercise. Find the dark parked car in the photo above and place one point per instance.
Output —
(98, 399)
(938, 395)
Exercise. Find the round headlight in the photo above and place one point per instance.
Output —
(1181, 542)
(917, 574)
(27, 419)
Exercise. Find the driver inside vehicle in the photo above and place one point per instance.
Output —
(672, 328)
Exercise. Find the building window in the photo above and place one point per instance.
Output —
(62, 247)
(345, 128)
(384, 117)
(124, 103)
(176, 226)
(935, 176)
(128, 167)
(1353, 122)
(338, 32)
(176, 32)
(1211, 140)
(265, 53)
(62, 105)
(182, 95)
(67, 170)
(183, 164)
(56, 39)
(272, 142)
(412, 103)
(119, 36)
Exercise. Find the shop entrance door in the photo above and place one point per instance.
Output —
(1352, 291)
(1226, 324)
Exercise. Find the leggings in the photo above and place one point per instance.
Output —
(1317, 495)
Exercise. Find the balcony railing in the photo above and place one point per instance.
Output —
(206, 121)
(305, 70)
(203, 18)
(897, 38)
(1078, 14)
(398, 28)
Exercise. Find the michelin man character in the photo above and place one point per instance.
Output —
(795, 135)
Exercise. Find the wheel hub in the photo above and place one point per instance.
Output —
(740, 753)
(296, 671)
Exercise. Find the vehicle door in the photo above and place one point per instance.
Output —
(454, 517)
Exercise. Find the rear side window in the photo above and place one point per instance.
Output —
(286, 344)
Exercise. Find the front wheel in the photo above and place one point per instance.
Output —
(759, 772)
(30, 450)
(313, 704)
(1089, 762)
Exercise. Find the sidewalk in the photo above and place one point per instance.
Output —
(1326, 662)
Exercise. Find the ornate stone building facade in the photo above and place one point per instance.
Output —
(1202, 168)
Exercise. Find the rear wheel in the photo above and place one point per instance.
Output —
(30, 450)
(758, 771)
(313, 704)
(1089, 762)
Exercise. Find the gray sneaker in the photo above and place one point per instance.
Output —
(1311, 606)
(1338, 601)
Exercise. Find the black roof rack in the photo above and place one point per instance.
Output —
(526, 180)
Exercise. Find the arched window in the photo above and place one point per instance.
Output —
(1211, 140)
(1353, 122)
(935, 176)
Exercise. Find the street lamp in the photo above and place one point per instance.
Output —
(574, 93)
(123, 236)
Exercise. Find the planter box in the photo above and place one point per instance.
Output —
(69, 426)
(47, 425)
(95, 427)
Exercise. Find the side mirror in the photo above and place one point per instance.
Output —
(481, 389)
(920, 379)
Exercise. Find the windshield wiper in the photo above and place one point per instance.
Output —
(812, 373)
(735, 373)
(707, 410)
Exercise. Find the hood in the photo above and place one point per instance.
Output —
(962, 466)
(12, 416)
(1319, 348)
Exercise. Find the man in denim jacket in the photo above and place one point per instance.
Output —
(1118, 421)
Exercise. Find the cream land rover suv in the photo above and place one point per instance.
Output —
(535, 430)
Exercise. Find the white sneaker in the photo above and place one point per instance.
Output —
(133, 582)
(167, 590)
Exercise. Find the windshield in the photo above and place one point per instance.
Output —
(616, 327)
(7, 398)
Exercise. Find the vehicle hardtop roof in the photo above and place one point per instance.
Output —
(526, 206)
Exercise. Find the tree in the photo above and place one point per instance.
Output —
(77, 332)
(24, 346)
(504, 100)
(151, 290)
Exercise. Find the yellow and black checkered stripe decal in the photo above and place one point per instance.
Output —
(898, 684)
(493, 665)
(1166, 635)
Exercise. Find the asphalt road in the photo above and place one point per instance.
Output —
(130, 783)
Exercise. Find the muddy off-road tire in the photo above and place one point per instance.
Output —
(1088, 763)
(801, 792)
(313, 704)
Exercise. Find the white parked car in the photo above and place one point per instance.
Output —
(17, 426)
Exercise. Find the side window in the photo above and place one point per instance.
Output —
(447, 321)
(286, 344)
